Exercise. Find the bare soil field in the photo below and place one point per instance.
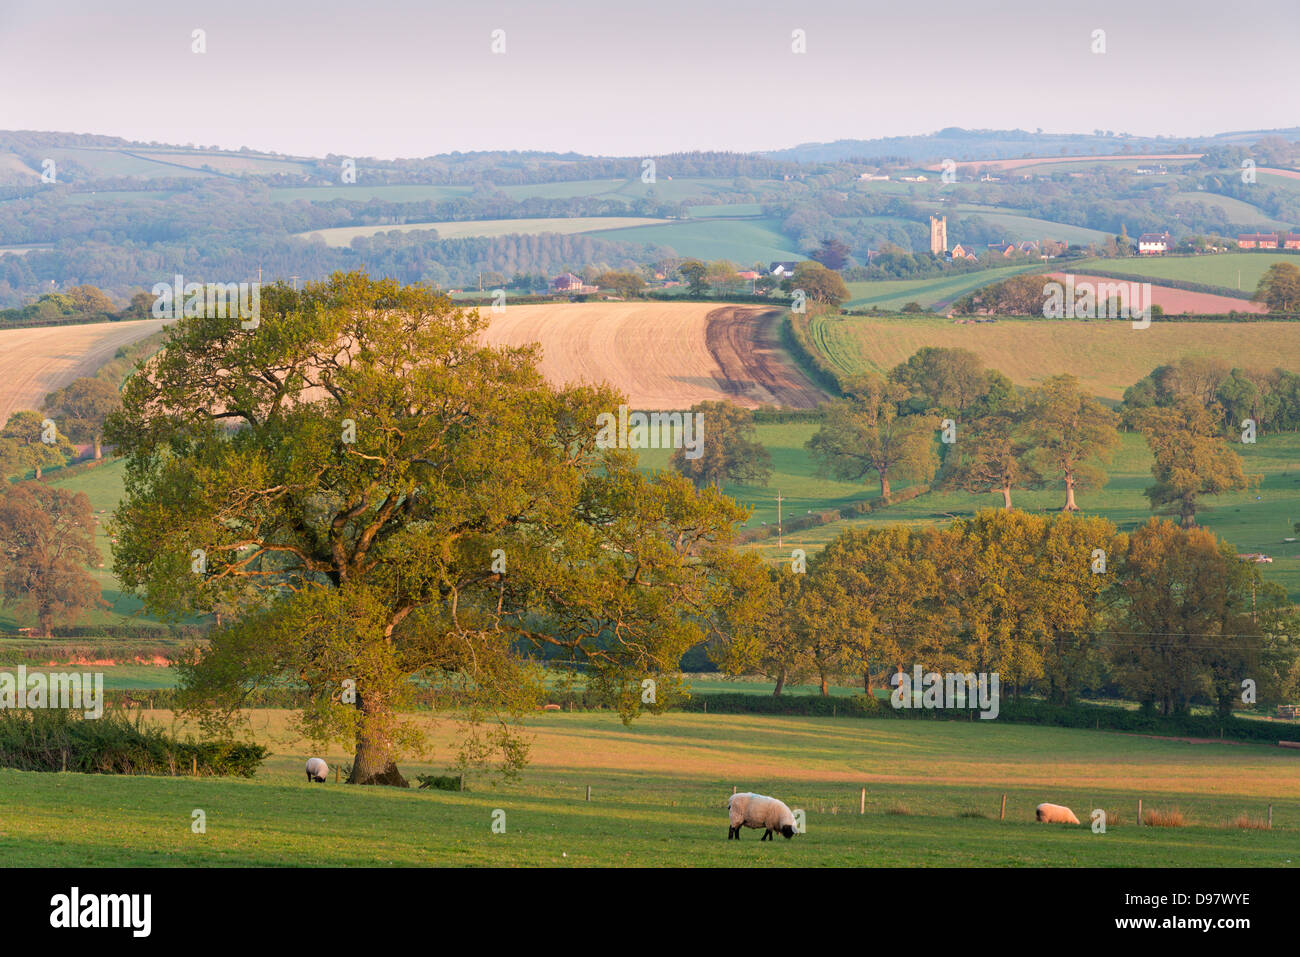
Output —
(1174, 301)
(662, 355)
(36, 361)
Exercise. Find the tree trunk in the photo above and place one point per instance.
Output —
(38, 473)
(373, 760)
(780, 683)
(884, 486)
(1006, 497)
(1070, 505)
(99, 447)
(1187, 513)
(825, 690)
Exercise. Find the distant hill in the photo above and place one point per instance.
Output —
(961, 144)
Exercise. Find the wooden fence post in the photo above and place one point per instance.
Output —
(336, 774)
(862, 802)
(1270, 817)
(588, 792)
(1002, 815)
(194, 765)
(1139, 812)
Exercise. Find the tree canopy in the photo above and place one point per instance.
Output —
(379, 496)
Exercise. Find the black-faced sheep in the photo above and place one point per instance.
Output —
(317, 770)
(757, 810)
(1055, 814)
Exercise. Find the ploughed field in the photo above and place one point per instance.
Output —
(36, 361)
(659, 793)
(662, 355)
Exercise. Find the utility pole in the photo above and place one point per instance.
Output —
(294, 280)
(778, 520)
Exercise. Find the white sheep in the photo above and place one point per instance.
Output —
(1055, 814)
(757, 810)
(317, 770)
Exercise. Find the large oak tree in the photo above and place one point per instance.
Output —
(381, 497)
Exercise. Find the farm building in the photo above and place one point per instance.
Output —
(963, 252)
(1257, 241)
(1154, 244)
(1290, 240)
(781, 268)
(571, 284)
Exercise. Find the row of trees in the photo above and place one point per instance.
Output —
(942, 417)
(1269, 398)
(33, 441)
(1057, 605)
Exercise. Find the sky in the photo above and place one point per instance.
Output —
(393, 78)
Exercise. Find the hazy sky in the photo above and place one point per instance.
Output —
(389, 78)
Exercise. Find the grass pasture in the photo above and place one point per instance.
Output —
(895, 293)
(659, 791)
(743, 241)
(1107, 355)
(1255, 520)
(1226, 270)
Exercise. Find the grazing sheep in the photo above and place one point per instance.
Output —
(317, 770)
(756, 810)
(1055, 814)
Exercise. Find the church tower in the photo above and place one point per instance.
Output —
(939, 235)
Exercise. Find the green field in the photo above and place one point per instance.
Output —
(1251, 524)
(1027, 227)
(1106, 355)
(743, 241)
(895, 293)
(1232, 272)
(659, 792)
(463, 229)
(734, 210)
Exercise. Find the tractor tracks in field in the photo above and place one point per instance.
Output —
(743, 341)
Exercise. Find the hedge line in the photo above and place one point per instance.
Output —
(58, 740)
(1021, 711)
(795, 338)
(817, 519)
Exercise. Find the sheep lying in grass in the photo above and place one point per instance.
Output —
(756, 810)
(1055, 814)
(317, 770)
